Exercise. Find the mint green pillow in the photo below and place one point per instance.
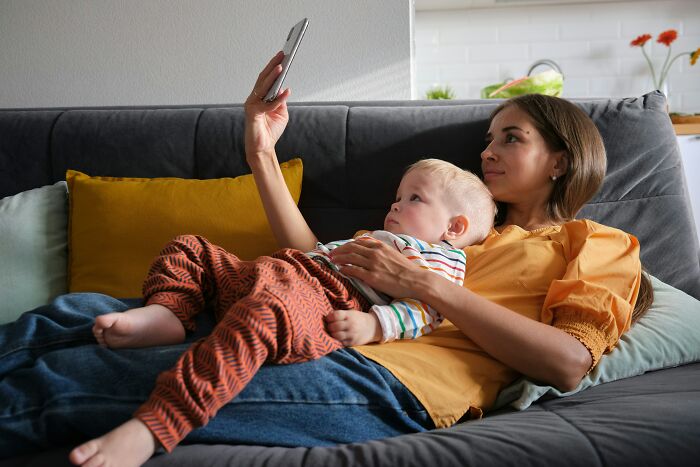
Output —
(33, 248)
(667, 335)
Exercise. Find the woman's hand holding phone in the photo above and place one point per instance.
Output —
(266, 107)
(265, 121)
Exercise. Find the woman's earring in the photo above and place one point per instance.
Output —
(553, 177)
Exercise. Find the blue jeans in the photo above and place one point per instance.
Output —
(58, 387)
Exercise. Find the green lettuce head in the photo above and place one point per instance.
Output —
(548, 82)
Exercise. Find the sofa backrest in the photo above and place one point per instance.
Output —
(354, 155)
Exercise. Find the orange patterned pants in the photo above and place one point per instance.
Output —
(267, 310)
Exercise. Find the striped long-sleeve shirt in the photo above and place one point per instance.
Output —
(405, 318)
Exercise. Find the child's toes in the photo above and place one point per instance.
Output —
(84, 452)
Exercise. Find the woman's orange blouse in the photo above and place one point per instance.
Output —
(581, 277)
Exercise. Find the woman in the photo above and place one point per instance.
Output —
(507, 320)
(545, 295)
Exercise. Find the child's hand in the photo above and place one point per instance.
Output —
(352, 327)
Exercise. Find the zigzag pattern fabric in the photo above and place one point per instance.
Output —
(269, 310)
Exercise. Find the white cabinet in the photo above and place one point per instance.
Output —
(690, 151)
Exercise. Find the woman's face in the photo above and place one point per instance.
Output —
(517, 164)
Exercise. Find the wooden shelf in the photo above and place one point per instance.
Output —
(687, 128)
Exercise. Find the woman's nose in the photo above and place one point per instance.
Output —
(395, 206)
(487, 153)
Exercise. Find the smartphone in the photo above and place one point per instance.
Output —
(290, 49)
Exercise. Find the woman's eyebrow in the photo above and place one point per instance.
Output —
(512, 127)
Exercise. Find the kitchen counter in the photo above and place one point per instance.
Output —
(687, 128)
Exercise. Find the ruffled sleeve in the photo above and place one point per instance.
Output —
(594, 299)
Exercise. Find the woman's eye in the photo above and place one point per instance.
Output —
(415, 198)
(511, 139)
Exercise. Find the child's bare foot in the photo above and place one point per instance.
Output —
(139, 327)
(130, 444)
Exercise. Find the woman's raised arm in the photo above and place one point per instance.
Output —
(264, 124)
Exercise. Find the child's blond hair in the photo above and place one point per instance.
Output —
(465, 193)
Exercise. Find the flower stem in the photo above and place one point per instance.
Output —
(668, 68)
(651, 67)
(664, 68)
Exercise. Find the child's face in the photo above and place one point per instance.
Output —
(420, 209)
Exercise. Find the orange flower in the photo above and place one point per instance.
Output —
(641, 40)
(694, 56)
(667, 37)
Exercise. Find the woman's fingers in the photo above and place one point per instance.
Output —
(274, 61)
(264, 82)
(268, 71)
(360, 252)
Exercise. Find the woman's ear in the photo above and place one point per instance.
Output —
(459, 225)
(561, 163)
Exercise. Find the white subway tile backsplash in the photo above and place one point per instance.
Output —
(574, 87)
(614, 49)
(513, 69)
(588, 68)
(469, 34)
(427, 74)
(588, 30)
(686, 67)
(554, 14)
(690, 102)
(561, 49)
(493, 16)
(632, 11)
(527, 32)
(591, 42)
(497, 52)
(686, 43)
(652, 25)
(675, 102)
(427, 36)
(684, 83)
(468, 72)
(636, 66)
(691, 23)
(441, 54)
(474, 90)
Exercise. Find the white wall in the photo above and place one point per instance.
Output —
(471, 48)
(153, 52)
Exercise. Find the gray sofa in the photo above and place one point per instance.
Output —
(353, 154)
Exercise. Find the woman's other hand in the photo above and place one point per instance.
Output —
(265, 121)
(381, 267)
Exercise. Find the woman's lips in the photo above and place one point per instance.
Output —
(491, 174)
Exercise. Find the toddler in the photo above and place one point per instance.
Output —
(276, 309)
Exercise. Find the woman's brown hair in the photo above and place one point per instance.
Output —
(565, 127)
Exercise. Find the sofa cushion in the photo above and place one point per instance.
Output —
(33, 227)
(667, 335)
(126, 142)
(25, 159)
(118, 225)
(644, 191)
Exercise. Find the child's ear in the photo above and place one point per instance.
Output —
(458, 226)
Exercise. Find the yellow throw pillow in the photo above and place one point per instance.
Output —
(119, 225)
